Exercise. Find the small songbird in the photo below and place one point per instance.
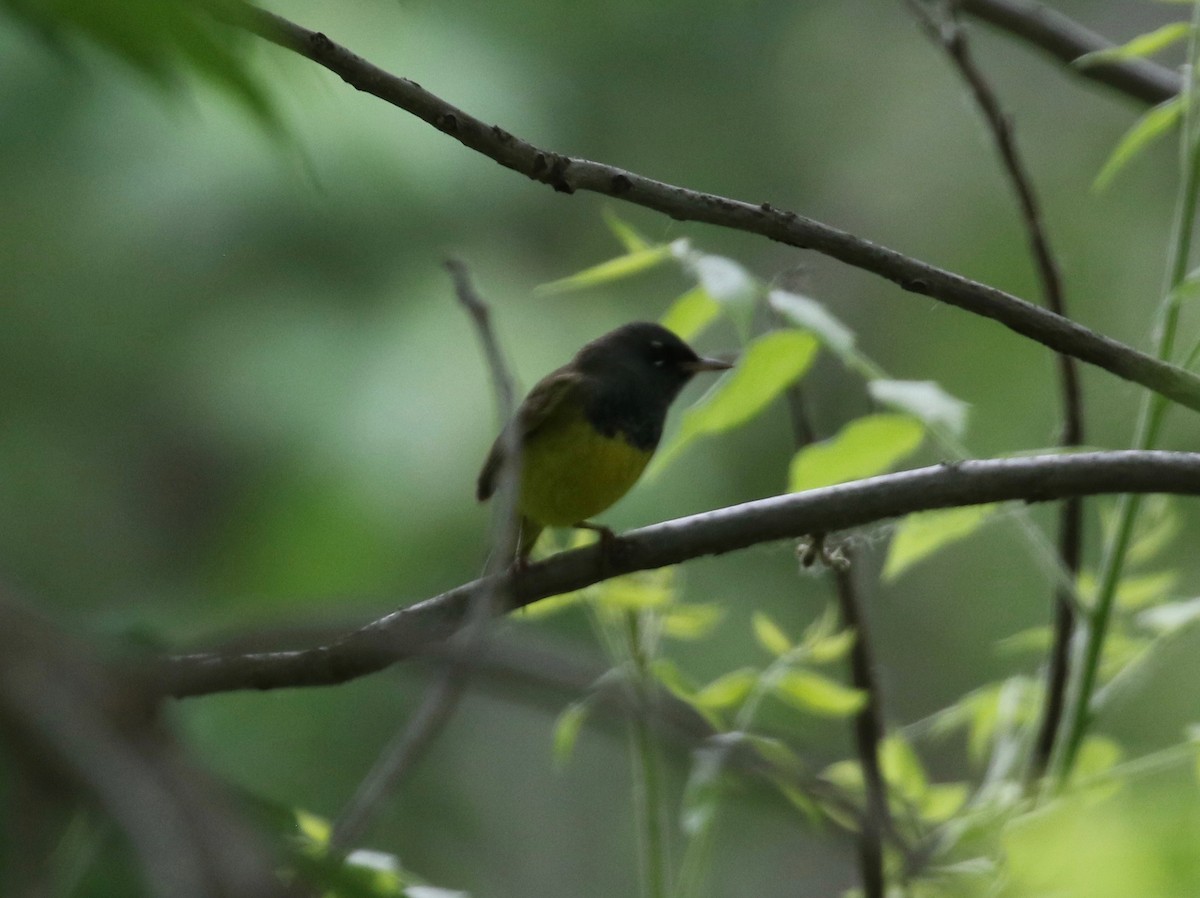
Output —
(588, 430)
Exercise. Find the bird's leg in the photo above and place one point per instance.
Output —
(611, 546)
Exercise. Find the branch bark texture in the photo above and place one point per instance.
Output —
(568, 174)
(1066, 40)
(403, 633)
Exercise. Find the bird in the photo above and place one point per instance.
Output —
(587, 430)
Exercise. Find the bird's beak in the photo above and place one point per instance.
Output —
(703, 364)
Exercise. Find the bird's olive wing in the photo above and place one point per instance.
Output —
(543, 399)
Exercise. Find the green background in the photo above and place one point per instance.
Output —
(238, 393)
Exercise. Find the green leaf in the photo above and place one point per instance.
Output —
(1097, 756)
(638, 592)
(728, 690)
(1144, 589)
(706, 784)
(624, 232)
(769, 634)
(767, 367)
(776, 753)
(1151, 126)
(1157, 524)
(1141, 46)
(831, 648)
(161, 41)
(607, 272)
(923, 399)
(1170, 616)
(566, 731)
(942, 801)
(551, 605)
(313, 828)
(691, 313)
(1035, 640)
(692, 621)
(846, 775)
(863, 448)
(727, 282)
(902, 769)
(723, 279)
(816, 694)
(922, 534)
(812, 316)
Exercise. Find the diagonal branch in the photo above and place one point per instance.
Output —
(402, 633)
(441, 699)
(951, 37)
(568, 174)
(1066, 40)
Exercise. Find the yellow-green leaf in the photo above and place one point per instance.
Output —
(830, 648)
(767, 367)
(1097, 756)
(551, 605)
(1145, 589)
(691, 313)
(669, 674)
(728, 690)
(816, 694)
(566, 731)
(315, 829)
(846, 775)
(1139, 47)
(810, 315)
(942, 801)
(902, 769)
(1151, 126)
(922, 534)
(1157, 524)
(769, 634)
(613, 270)
(923, 399)
(653, 589)
(863, 448)
(625, 232)
(691, 621)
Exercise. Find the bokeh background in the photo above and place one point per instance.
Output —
(236, 392)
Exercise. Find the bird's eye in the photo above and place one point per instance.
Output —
(656, 353)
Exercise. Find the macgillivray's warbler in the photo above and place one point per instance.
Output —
(588, 429)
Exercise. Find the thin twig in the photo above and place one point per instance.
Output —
(868, 726)
(1066, 40)
(950, 36)
(868, 723)
(441, 699)
(402, 633)
(567, 174)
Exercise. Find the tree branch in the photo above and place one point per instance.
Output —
(568, 174)
(1066, 40)
(402, 633)
(950, 36)
(441, 699)
(868, 727)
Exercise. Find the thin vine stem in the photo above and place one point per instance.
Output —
(1150, 423)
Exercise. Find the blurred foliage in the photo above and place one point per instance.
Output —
(239, 398)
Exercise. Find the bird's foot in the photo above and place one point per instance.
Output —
(611, 546)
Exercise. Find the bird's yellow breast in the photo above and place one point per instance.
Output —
(571, 471)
